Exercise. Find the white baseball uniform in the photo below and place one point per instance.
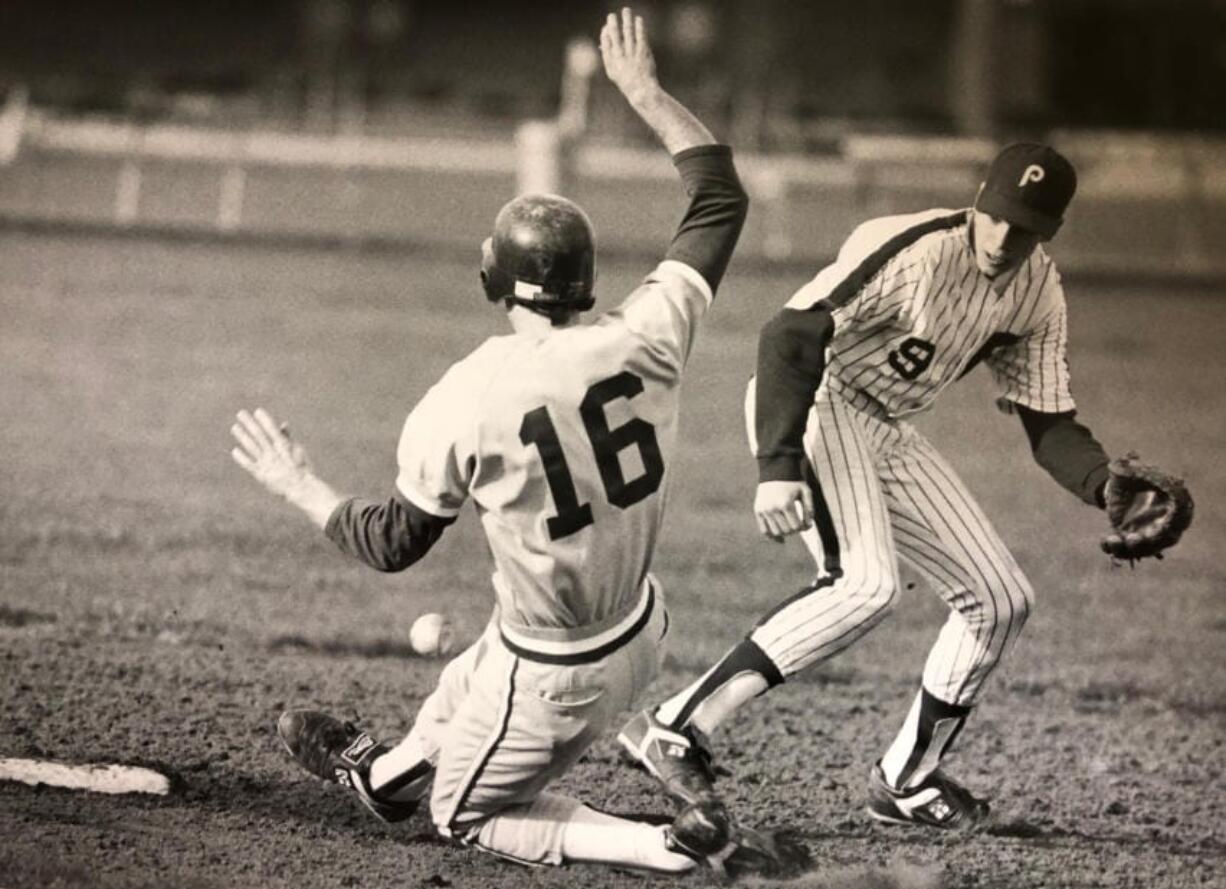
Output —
(564, 444)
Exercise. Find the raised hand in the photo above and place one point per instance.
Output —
(632, 68)
(627, 55)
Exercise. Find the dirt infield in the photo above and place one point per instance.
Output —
(156, 610)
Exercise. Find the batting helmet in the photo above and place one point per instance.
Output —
(542, 255)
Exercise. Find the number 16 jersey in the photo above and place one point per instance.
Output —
(564, 443)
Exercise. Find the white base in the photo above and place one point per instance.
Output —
(95, 778)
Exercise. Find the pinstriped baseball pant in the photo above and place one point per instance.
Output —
(883, 493)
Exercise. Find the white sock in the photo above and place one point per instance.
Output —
(926, 734)
(718, 705)
(389, 769)
(900, 749)
(596, 838)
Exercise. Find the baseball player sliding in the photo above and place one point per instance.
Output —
(911, 304)
(562, 434)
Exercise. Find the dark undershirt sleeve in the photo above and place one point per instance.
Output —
(712, 223)
(387, 535)
(791, 360)
(1068, 451)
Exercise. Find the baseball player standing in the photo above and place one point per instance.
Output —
(562, 434)
(911, 304)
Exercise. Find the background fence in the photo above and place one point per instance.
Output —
(1147, 205)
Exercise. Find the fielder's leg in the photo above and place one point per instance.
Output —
(936, 716)
(856, 582)
(942, 532)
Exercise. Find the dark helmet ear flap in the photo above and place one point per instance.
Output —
(495, 282)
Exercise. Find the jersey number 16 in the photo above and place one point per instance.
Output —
(538, 429)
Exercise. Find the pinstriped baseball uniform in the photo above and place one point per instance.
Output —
(564, 444)
(912, 313)
(910, 305)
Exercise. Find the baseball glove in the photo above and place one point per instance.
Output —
(1149, 510)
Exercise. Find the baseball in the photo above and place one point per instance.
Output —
(432, 635)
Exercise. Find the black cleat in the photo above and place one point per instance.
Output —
(679, 759)
(700, 830)
(338, 752)
(744, 852)
(939, 801)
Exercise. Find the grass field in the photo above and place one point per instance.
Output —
(156, 608)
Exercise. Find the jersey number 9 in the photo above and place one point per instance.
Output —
(538, 429)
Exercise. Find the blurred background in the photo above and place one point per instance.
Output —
(368, 121)
(212, 206)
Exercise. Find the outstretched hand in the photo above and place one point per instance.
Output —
(265, 450)
(627, 55)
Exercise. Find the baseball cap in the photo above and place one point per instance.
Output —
(1030, 185)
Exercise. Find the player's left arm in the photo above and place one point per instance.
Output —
(1033, 375)
(1030, 367)
(1148, 508)
(1068, 451)
(712, 224)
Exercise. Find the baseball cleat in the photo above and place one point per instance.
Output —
(338, 752)
(742, 852)
(679, 760)
(939, 801)
(700, 830)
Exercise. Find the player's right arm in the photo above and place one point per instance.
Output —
(431, 483)
(388, 535)
(791, 361)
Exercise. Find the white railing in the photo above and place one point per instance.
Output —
(876, 172)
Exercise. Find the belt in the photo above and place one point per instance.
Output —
(583, 651)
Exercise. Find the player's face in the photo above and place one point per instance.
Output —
(1001, 246)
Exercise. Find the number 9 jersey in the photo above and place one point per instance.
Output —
(564, 444)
